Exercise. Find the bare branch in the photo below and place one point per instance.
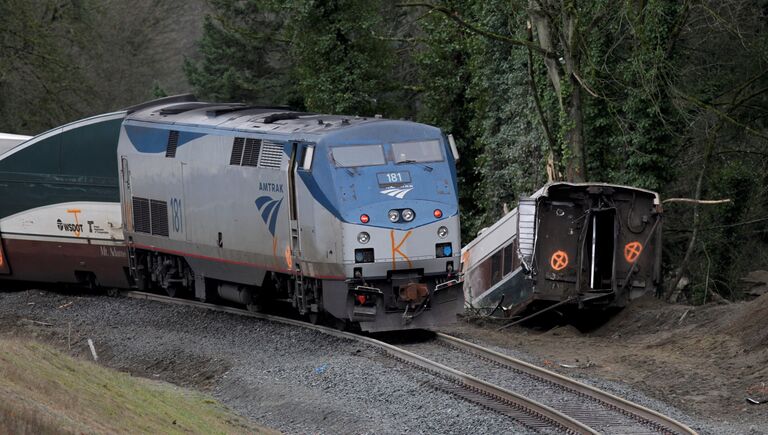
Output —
(697, 201)
(453, 15)
(723, 115)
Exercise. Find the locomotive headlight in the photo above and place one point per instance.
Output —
(363, 238)
(442, 232)
(408, 215)
(394, 215)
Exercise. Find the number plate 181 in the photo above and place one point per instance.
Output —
(393, 178)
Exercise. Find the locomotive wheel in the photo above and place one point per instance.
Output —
(316, 318)
(171, 291)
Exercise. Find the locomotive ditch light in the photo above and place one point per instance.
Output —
(438, 213)
(363, 238)
(394, 215)
(443, 250)
(449, 267)
(364, 218)
(408, 215)
(364, 255)
(442, 232)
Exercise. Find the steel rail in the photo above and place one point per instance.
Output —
(656, 419)
(516, 402)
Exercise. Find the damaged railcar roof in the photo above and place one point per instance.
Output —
(545, 190)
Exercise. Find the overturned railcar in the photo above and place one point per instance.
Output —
(589, 245)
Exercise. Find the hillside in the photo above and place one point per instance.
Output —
(47, 392)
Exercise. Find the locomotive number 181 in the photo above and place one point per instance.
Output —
(393, 178)
(176, 215)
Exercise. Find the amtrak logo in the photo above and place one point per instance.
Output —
(397, 192)
(269, 209)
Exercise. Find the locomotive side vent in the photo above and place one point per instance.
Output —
(251, 154)
(141, 221)
(173, 141)
(159, 217)
(237, 151)
(271, 155)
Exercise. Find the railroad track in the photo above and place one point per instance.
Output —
(598, 409)
(524, 410)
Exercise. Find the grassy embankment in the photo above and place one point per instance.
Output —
(43, 391)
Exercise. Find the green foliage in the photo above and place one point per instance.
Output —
(504, 125)
(442, 66)
(631, 128)
(339, 63)
(158, 91)
(658, 79)
(239, 47)
(62, 60)
(40, 83)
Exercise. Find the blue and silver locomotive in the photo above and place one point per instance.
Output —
(356, 218)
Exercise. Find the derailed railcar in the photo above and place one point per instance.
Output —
(590, 245)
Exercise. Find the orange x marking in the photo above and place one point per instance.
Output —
(632, 250)
(559, 260)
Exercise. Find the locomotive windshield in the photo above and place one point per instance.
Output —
(358, 155)
(418, 151)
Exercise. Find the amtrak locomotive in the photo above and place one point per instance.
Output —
(356, 218)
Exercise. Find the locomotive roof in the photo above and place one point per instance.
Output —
(256, 119)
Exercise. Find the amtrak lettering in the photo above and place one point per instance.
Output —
(271, 187)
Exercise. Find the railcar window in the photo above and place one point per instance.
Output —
(496, 267)
(509, 254)
(358, 155)
(418, 151)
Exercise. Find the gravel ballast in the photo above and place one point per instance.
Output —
(288, 378)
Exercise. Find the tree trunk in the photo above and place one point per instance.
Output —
(673, 292)
(553, 154)
(569, 97)
(575, 168)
